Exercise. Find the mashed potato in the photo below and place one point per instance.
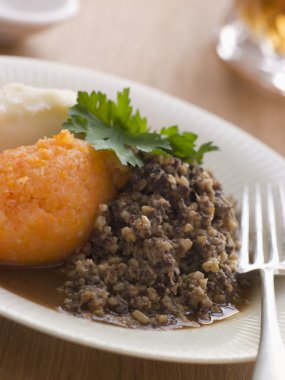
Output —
(49, 194)
(30, 113)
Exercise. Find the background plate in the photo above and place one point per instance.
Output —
(242, 160)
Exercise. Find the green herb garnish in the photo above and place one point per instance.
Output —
(183, 145)
(106, 124)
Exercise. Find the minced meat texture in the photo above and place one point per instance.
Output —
(164, 250)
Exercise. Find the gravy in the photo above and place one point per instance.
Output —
(35, 284)
(40, 285)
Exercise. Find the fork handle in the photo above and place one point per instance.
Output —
(270, 363)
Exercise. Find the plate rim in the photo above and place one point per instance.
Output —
(144, 87)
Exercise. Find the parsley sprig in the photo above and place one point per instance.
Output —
(106, 124)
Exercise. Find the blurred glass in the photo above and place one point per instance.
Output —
(253, 42)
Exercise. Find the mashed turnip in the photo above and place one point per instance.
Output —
(49, 194)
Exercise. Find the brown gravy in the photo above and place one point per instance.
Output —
(40, 285)
(35, 284)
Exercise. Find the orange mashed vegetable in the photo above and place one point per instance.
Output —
(49, 194)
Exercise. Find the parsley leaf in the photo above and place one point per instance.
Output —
(183, 145)
(106, 124)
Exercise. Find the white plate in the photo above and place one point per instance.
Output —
(242, 160)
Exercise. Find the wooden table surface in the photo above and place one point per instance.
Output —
(167, 44)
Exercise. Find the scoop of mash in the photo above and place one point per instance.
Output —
(49, 191)
(30, 113)
(49, 194)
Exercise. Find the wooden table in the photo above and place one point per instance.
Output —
(167, 44)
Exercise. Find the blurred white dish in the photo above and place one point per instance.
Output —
(242, 160)
(19, 18)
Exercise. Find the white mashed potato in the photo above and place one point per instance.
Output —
(29, 113)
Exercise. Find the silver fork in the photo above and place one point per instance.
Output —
(270, 363)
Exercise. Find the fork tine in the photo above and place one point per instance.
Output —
(273, 253)
(258, 257)
(244, 251)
